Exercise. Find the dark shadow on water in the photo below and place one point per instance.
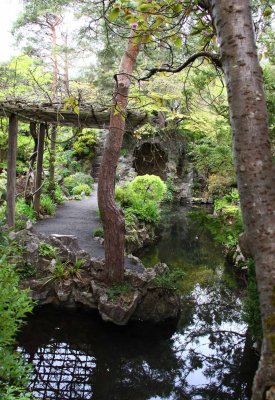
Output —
(208, 356)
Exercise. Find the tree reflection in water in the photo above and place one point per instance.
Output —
(209, 355)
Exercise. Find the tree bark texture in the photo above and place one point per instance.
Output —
(253, 163)
(54, 57)
(11, 177)
(112, 216)
(39, 168)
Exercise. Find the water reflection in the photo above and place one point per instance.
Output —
(208, 356)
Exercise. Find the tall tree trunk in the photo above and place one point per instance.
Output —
(66, 66)
(112, 216)
(11, 178)
(54, 92)
(39, 168)
(253, 163)
(54, 57)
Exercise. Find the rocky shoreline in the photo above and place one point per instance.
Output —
(71, 278)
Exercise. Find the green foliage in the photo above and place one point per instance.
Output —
(99, 232)
(225, 227)
(55, 192)
(47, 250)
(67, 163)
(24, 213)
(140, 199)
(148, 187)
(64, 270)
(251, 304)
(85, 144)
(77, 179)
(146, 212)
(57, 195)
(117, 292)
(47, 206)
(170, 279)
(228, 204)
(169, 194)
(15, 304)
(3, 186)
(82, 188)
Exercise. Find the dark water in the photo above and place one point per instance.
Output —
(209, 355)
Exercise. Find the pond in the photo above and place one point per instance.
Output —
(208, 355)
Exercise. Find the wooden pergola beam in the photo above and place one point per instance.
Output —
(88, 117)
(11, 175)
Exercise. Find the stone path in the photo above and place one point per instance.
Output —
(78, 218)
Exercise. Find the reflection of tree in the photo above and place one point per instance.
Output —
(218, 346)
(182, 243)
(209, 357)
(135, 359)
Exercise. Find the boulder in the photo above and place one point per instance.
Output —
(158, 305)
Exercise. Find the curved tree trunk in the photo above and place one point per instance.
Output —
(253, 163)
(112, 216)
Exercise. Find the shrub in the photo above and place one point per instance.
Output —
(77, 179)
(83, 188)
(147, 212)
(141, 197)
(148, 187)
(54, 192)
(57, 195)
(47, 206)
(14, 305)
(99, 232)
(85, 144)
(24, 212)
(47, 250)
(170, 279)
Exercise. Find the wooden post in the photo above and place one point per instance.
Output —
(52, 156)
(11, 178)
(39, 168)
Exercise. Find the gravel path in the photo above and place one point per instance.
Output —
(78, 218)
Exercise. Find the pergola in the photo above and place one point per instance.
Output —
(55, 115)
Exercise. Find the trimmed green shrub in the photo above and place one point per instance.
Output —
(47, 206)
(141, 197)
(83, 188)
(148, 187)
(77, 179)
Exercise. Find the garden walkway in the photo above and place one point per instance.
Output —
(78, 218)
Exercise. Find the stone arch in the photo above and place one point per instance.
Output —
(150, 158)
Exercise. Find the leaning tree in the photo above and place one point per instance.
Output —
(236, 54)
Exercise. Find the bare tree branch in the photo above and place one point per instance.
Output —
(212, 56)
